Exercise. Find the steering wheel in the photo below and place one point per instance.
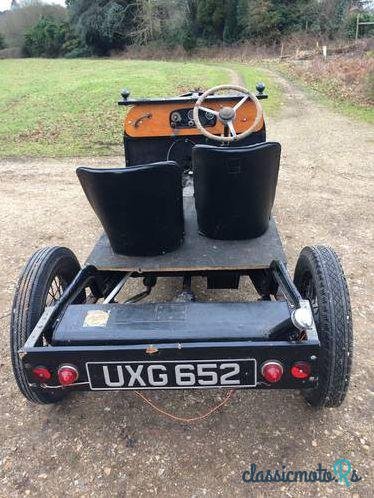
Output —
(226, 115)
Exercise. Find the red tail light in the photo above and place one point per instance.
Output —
(272, 371)
(41, 373)
(301, 370)
(67, 374)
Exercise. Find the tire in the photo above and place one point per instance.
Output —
(319, 277)
(39, 281)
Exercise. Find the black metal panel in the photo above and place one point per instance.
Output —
(223, 280)
(175, 148)
(264, 282)
(168, 322)
(186, 99)
(283, 351)
(183, 119)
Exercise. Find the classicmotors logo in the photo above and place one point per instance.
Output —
(341, 471)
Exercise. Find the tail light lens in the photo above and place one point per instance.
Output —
(41, 373)
(272, 371)
(301, 370)
(67, 375)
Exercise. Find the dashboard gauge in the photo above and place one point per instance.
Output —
(180, 119)
(176, 117)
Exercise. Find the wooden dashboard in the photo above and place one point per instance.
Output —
(173, 119)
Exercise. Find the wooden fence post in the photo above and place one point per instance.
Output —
(357, 26)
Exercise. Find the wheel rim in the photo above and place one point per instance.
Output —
(55, 291)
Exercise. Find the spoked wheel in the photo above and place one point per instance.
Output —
(43, 280)
(319, 278)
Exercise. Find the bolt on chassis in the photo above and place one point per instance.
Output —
(194, 200)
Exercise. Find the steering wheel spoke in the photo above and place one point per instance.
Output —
(241, 102)
(226, 114)
(230, 126)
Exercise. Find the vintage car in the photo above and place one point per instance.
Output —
(194, 200)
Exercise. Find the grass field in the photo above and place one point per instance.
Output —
(57, 107)
(251, 76)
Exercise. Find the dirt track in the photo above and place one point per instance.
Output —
(113, 445)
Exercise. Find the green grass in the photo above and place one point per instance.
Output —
(252, 75)
(66, 108)
(57, 107)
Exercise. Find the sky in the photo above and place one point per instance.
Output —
(5, 4)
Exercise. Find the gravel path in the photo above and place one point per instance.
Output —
(112, 444)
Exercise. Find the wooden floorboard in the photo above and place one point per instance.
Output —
(197, 253)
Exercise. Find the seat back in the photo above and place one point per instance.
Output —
(235, 189)
(140, 208)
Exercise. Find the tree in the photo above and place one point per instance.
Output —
(269, 20)
(263, 20)
(332, 14)
(116, 21)
(242, 15)
(351, 24)
(231, 29)
(168, 21)
(48, 38)
(295, 16)
(2, 41)
(102, 24)
(14, 23)
(147, 25)
(188, 39)
(210, 17)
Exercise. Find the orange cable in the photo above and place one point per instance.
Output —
(182, 419)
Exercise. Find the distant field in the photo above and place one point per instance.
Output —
(57, 107)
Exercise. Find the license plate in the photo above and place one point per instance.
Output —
(186, 374)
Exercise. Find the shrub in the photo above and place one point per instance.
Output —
(369, 86)
(44, 39)
(344, 78)
(78, 53)
(188, 39)
(16, 22)
(50, 38)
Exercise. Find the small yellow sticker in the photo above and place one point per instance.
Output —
(96, 318)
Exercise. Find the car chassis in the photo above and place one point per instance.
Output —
(285, 340)
(185, 343)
